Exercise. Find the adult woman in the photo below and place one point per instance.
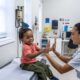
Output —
(70, 63)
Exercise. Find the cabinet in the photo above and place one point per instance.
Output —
(68, 48)
(64, 48)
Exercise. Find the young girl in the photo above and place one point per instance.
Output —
(29, 52)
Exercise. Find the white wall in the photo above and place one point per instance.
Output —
(61, 9)
(35, 9)
(28, 12)
(56, 9)
(19, 2)
(31, 9)
(37, 13)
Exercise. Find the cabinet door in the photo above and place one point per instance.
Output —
(64, 47)
(66, 50)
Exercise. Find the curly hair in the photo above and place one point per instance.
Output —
(22, 31)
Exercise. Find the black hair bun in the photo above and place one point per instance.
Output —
(71, 45)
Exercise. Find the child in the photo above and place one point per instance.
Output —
(29, 52)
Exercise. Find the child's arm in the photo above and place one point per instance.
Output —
(35, 54)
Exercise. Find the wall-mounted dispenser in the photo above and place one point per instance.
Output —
(19, 16)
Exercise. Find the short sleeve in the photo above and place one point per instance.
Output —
(26, 50)
(75, 62)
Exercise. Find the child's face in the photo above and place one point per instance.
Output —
(28, 37)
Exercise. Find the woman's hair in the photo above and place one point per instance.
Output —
(77, 27)
(71, 45)
(22, 31)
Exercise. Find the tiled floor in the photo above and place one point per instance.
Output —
(71, 75)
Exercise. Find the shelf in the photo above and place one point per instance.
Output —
(65, 40)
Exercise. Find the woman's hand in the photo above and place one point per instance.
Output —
(53, 47)
(47, 49)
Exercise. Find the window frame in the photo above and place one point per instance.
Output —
(9, 35)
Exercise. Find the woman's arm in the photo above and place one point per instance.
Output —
(58, 67)
(61, 57)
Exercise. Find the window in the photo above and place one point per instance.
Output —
(2, 19)
(7, 21)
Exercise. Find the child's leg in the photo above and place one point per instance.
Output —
(35, 68)
(47, 70)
